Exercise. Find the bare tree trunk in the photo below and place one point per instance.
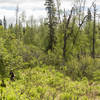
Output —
(84, 4)
(58, 10)
(17, 10)
(16, 30)
(94, 29)
(65, 33)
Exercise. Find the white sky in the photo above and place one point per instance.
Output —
(31, 7)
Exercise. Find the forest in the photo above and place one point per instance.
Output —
(57, 58)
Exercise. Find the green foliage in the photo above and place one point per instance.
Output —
(47, 83)
(41, 71)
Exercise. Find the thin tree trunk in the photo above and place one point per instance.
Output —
(65, 34)
(94, 28)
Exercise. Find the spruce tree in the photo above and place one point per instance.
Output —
(89, 18)
(52, 20)
(4, 23)
(0, 22)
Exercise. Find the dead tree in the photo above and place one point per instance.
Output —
(17, 11)
(65, 32)
(80, 8)
(75, 37)
(84, 4)
(58, 10)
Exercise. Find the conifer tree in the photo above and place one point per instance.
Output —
(5, 23)
(0, 22)
(94, 31)
(52, 20)
(89, 15)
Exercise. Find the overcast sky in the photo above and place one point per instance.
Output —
(31, 7)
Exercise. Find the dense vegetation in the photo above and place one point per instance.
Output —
(56, 59)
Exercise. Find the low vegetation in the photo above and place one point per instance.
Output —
(56, 59)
